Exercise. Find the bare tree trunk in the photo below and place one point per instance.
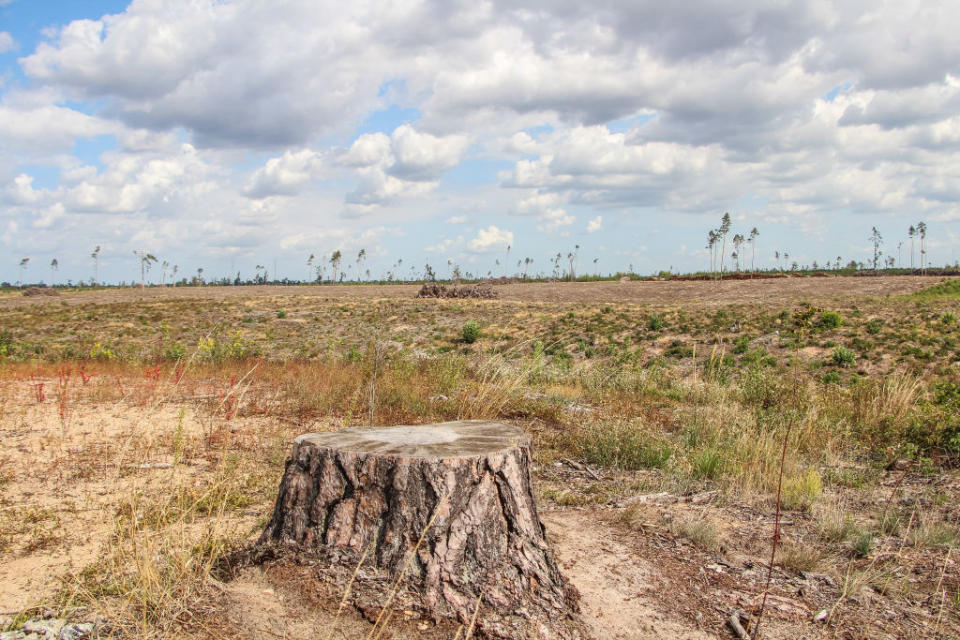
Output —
(448, 509)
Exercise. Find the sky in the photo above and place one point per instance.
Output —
(224, 135)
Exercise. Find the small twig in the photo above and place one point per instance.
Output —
(943, 594)
(735, 624)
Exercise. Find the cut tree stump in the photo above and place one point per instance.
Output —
(449, 508)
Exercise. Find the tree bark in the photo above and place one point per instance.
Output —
(449, 508)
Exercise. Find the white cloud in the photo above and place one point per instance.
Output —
(21, 191)
(595, 225)
(491, 239)
(6, 42)
(407, 164)
(456, 220)
(285, 175)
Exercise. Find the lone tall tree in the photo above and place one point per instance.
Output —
(911, 232)
(572, 257)
(310, 267)
(753, 246)
(335, 263)
(876, 240)
(96, 265)
(23, 265)
(922, 231)
(724, 230)
(360, 257)
(54, 265)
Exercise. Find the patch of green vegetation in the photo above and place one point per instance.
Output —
(949, 288)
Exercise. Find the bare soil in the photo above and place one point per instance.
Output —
(665, 292)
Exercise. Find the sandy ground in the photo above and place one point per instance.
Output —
(635, 292)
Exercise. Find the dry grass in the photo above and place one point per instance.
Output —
(594, 384)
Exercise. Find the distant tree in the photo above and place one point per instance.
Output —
(754, 234)
(776, 256)
(922, 231)
(163, 272)
(724, 230)
(911, 232)
(596, 270)
(572, 258)
(146, 259)
(310, 266)
(96, 264)
(876, 240)
(23, 265)
(335, 263)
(526, 267)
(507, 261)
(738, 241)
(712, 237)
(173, 275)
(54, 265)
(257, 269)
(360, 257)
(899, 246)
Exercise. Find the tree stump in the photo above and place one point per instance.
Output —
(449, 507)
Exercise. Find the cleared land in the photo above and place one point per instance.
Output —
(145, 434)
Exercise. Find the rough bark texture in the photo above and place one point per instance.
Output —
(378, 490)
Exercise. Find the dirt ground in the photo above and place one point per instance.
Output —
(635, 292)
(65, 478)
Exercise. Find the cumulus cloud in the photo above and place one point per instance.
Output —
(491, 239)
(285, 175)
(405, 164)
(21, 191)
(641, 107)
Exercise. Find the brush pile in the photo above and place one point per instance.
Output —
(433, 290)
(40, 291)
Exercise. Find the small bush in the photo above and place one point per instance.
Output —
(707, 464)
(874, 326)
(843, 357)
(949, 318)
(655, 322)
(801, 491)
(470, 331)
(281, 313)
(830, 320)
(863, 545)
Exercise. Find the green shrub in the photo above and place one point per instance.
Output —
(655, 322)
(800, 491)
(707, 464)
(948, 318)
(843, 357)
(470, 331)
(175, 351)
(874, 326)
(281, 313)
(829, 320)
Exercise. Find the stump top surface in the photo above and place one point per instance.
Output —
(460, 439)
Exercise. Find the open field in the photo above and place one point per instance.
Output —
(145, 434)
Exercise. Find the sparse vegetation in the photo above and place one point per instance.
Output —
(688, 401)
